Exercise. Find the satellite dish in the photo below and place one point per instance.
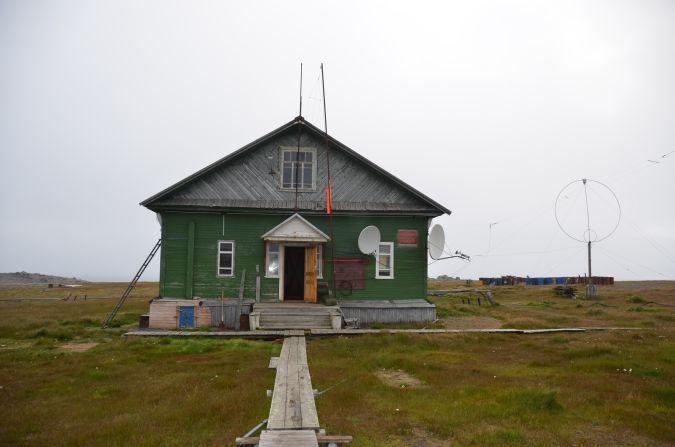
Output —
(369, 240)
(436, 241)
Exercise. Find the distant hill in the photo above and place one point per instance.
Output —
(26, 279)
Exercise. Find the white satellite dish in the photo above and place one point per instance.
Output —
(369, 240)
(436, 241)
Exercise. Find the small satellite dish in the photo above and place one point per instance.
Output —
(369, 240)
(436, 241)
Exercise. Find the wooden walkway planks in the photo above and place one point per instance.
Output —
(288, 438)
(293, 406)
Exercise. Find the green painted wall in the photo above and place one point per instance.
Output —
(179, 271)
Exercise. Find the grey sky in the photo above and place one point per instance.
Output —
(488, 107)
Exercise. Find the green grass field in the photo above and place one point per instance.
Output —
(65, 381)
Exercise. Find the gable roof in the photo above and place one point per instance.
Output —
(207, 188)
(295, 228)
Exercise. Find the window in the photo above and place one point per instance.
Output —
(272, 260)
(384, 269)
(225, 258)
(300, 163)
(319, 261)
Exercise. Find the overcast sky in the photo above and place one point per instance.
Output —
(488, 107)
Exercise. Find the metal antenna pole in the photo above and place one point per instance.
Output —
(296, 164)
(330, 215)
(588, 229)
(300, 114)
(589, 263)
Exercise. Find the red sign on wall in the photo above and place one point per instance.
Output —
(407, 237)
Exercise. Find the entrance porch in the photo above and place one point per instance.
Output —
(288, 315)
(294, 255)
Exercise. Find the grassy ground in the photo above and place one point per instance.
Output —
(648, 304)
(609, 388)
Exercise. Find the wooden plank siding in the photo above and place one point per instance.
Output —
(164, 313)
(410, 261)
(246, 182)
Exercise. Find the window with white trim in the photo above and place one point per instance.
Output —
(319, 261)
(225, 258)
(384, 268)
(272, 261)
(298, 168)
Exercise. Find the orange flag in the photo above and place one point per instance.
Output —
(328, 205)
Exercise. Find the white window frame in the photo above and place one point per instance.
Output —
(378, 274)
(267, 259)
(281, 168)
(319, 261)
(219, 252)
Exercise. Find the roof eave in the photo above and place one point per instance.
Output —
(220, 161)
(301, 121)
(380, 170)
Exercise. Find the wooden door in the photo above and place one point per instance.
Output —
(186, 317)
(310, 274)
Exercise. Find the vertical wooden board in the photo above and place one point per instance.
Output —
(310, 417)
(310, 274)
(162, 259)
(293, 408)
(189, 269)
(277, 416)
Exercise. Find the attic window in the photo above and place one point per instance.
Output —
(298, 165)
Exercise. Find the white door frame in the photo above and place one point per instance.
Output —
(282, 262)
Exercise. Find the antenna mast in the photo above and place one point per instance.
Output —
(589, 234)
(296, 164)
(328, 188)
(588, 229)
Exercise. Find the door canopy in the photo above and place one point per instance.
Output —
(295, 229)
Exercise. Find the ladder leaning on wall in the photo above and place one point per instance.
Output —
(131, 285)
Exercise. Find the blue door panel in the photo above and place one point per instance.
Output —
(186, 316)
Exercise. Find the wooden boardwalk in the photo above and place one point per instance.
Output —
(293, 406)
(288, 438)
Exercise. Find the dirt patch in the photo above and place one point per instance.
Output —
(398, 379)
(77, 347)
(422, 438)
(594, 435)
(472, 323)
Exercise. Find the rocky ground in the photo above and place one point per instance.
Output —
(28, 279)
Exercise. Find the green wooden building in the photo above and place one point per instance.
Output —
(262, 209)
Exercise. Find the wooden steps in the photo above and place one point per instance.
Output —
(276, 316)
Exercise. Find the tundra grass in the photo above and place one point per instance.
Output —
(498, 389)
(477, 389)
(647, 304)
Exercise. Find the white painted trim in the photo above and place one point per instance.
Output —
(319, 264)
(320, 235)
(282, 266)
(267, 259)
(391, 258)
